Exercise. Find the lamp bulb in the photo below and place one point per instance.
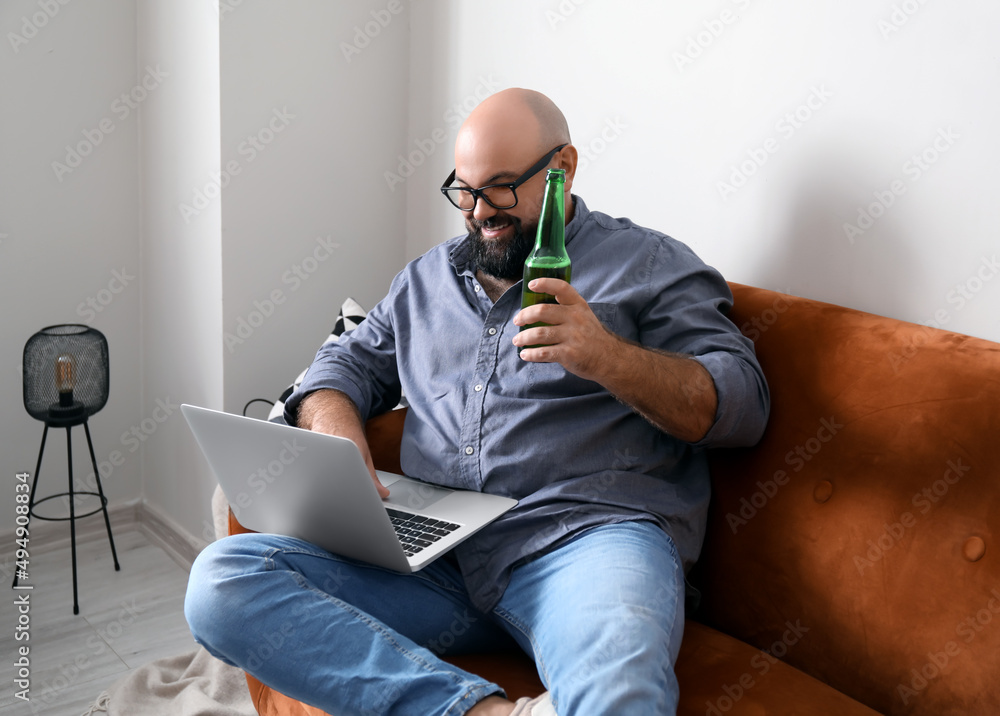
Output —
(66, 378)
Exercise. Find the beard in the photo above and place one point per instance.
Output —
(503, 259)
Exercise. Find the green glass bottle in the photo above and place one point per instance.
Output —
(549, 258)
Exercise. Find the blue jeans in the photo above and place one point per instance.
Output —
(602, 616)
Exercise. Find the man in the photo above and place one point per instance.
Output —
(599, 435)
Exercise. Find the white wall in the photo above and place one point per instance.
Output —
(314, 106)
(133, 89)
(663, 134)
(182, 274)
(69, 249)
(144, 204)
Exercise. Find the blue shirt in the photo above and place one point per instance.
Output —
(575, 457)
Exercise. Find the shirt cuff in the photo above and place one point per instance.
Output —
(743, 403)
(311, 385)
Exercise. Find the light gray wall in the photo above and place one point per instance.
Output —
(314, 105)
(69, 234)
(669, 98)
(182, 256)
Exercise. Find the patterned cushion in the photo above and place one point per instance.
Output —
(351, 314)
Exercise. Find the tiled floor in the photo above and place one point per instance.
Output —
(126, 619)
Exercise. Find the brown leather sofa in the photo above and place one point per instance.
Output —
(849, 566)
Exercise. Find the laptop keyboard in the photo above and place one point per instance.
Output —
(416, 531)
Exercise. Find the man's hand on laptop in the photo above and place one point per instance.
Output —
(333, 413)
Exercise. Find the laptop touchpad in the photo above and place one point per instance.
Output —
(417, 496)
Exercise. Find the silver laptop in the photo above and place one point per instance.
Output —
(289, 481)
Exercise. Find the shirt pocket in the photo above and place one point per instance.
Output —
(551, 380)
(607, 313)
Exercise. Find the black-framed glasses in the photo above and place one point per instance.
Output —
(499, 196)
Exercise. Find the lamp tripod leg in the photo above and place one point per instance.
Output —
(104, 500)
(72, 516)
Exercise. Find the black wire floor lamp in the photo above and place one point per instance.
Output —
(66, 380)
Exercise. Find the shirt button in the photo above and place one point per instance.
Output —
(492, 331)
(469, 450)
(478, 288)
(478, 388)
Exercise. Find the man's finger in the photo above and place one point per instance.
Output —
(537, 336)
(539, 313)
(564, 292)
(383, 491)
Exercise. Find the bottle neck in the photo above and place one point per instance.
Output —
(551, 234)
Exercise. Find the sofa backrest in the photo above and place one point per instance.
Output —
(855, 541)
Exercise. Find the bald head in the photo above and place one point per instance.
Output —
(510, 128)
(551, 129)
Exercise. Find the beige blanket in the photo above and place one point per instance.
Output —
(192, 684)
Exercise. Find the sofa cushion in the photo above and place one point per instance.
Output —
(722, 676)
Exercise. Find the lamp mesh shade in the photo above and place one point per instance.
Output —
(89, 348)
